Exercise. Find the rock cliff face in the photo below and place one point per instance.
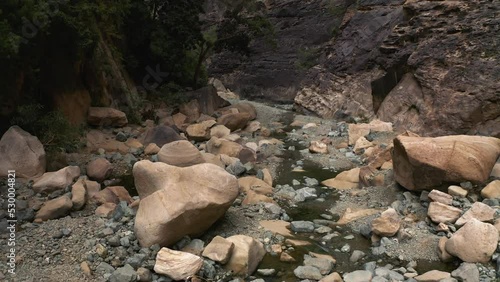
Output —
(427, 66)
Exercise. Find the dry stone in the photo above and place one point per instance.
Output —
(55, 208)
(219, 250)
(177, 201)
(180, 153)
(21, 152)
(475, 242)
(177, 265)
(247, 254)
(422, 163)
(439, 212)
(102, 116)
(57, 180)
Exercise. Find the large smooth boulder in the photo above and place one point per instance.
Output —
(102, 116)
(160, 135)
(180, 153)
(422, 163)
(247, 254)
(21, 152)
(56, 180)
(475, 242)
(176, 201)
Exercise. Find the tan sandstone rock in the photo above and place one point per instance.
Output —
(421, 163)
(200, 131)
(479, 211)
(345, 180)
(177, 265)
(55, 208)
(219, 146)
(151, 149)
(99, 169)
(219, 250)
(247, 254)
(441, 197)
(475, 242)
(235, 121)
(78, 194)
(387, 224)
(492, 190)
(439, 212)
(21, 152)
(432, 276)
(180, 153)
(176, 201)
(101, 116)
(318, 147)
(57, 180)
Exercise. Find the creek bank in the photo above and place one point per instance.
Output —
(315, 231)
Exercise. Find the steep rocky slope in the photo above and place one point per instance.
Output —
(427, 66)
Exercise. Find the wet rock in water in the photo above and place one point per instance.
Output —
(57, 180)
(21, 152)
(467, 272)
(474, 242)
(219, 250)
(358, 276)
(99, 169)
(177, 265)
(318, 147)
(307, 272)
(441, 197)
(432, 276)
(356, 256)
(345, 180)
(461, 158)
(304, 194)
(302, 226)
(160, 135)
(387, 224)
(180, 153)
(479, 211)
(102, 116)
(492, 190)
(180, 201)
(55, 208)
(324, 265)
(246, 256)
(443, 213)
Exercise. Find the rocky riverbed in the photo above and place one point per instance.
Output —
(253, 192)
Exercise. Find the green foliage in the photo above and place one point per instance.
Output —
(307, 58)
(52, 128)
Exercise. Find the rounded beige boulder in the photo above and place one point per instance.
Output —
(177, 201)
